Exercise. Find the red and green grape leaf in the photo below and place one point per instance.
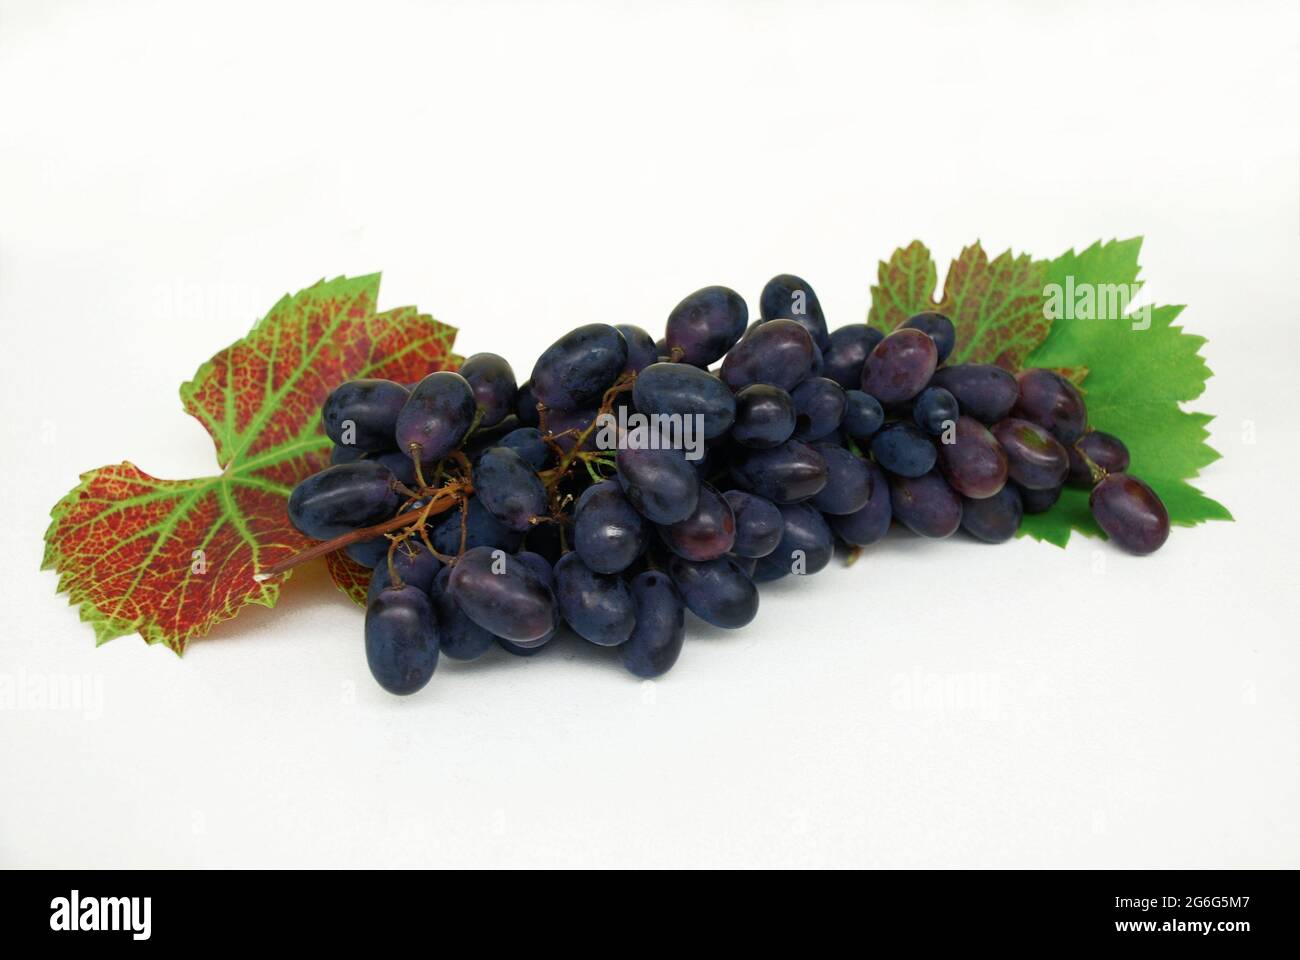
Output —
(1139, 376)
(996, 305)
(349, 576)
(169, 559)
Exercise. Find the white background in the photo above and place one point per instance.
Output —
(168, 171)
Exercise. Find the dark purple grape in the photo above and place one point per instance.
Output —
(925, 505)
(903, 449)
(401, 639)
(983, 391)
(1130, 512)
(402, 466)
(899, 367)
(598, 606)
(510, 489)
(938, 327)
(576, 370)
(747, 565)
(482, 529)
(819, 408)
(493, 382)
(764, 416)
(1035, 459)
(779, 352)
(1051, 401)
(484, 438)
(871, 522)
(437, 416)
(415, 565)
(994, 519)
(459, 637)
(934, 410)
(785, 474)
(340, 454)
(369, 553)
(787, 297)
(758, 524)
(343, 498)
(661, 484)
(848, 481)
(1038, 501)
(707, 533)
(641, 349)
(863, 414)
(362, 414)
(706, 324)
(660, 629)
(528, 443)
(1103, 449)
(717, 591)
(507, 599)
(543, 568)
(806, 546)
(687, 391)
(526, 405)
(608, 534)
(567, 425)
(974, 462)
(848, 352)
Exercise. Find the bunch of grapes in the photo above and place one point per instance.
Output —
(494, 513)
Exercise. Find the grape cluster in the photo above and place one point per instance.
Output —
(497, 513)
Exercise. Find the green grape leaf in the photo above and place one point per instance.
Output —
(169, 559)
(1142, 368)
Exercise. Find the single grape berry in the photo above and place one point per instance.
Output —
(787, 297)
(779, 352)
(717, 591)
(503, 596)
(785, 474)
(925, 505)
(1035, 459)
(863, 414)
(938, 327)
(437, 416)
(819, 406)
(361, 415)
(576, 370)
(765, 416)
(899, 367)
(983, 391)
(994, 519)
(903, 449)
(401, 639)
(343, 498)
(934, 410)
(1130, 512)
(1049, 400)
(974, 463)
(656, 640)
(493, 383)
(608, 533)
(598, 606)
(706, 324)
(683, 390)
(1107, 453)
(758, 524)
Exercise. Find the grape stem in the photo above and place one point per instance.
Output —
(440, 502)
